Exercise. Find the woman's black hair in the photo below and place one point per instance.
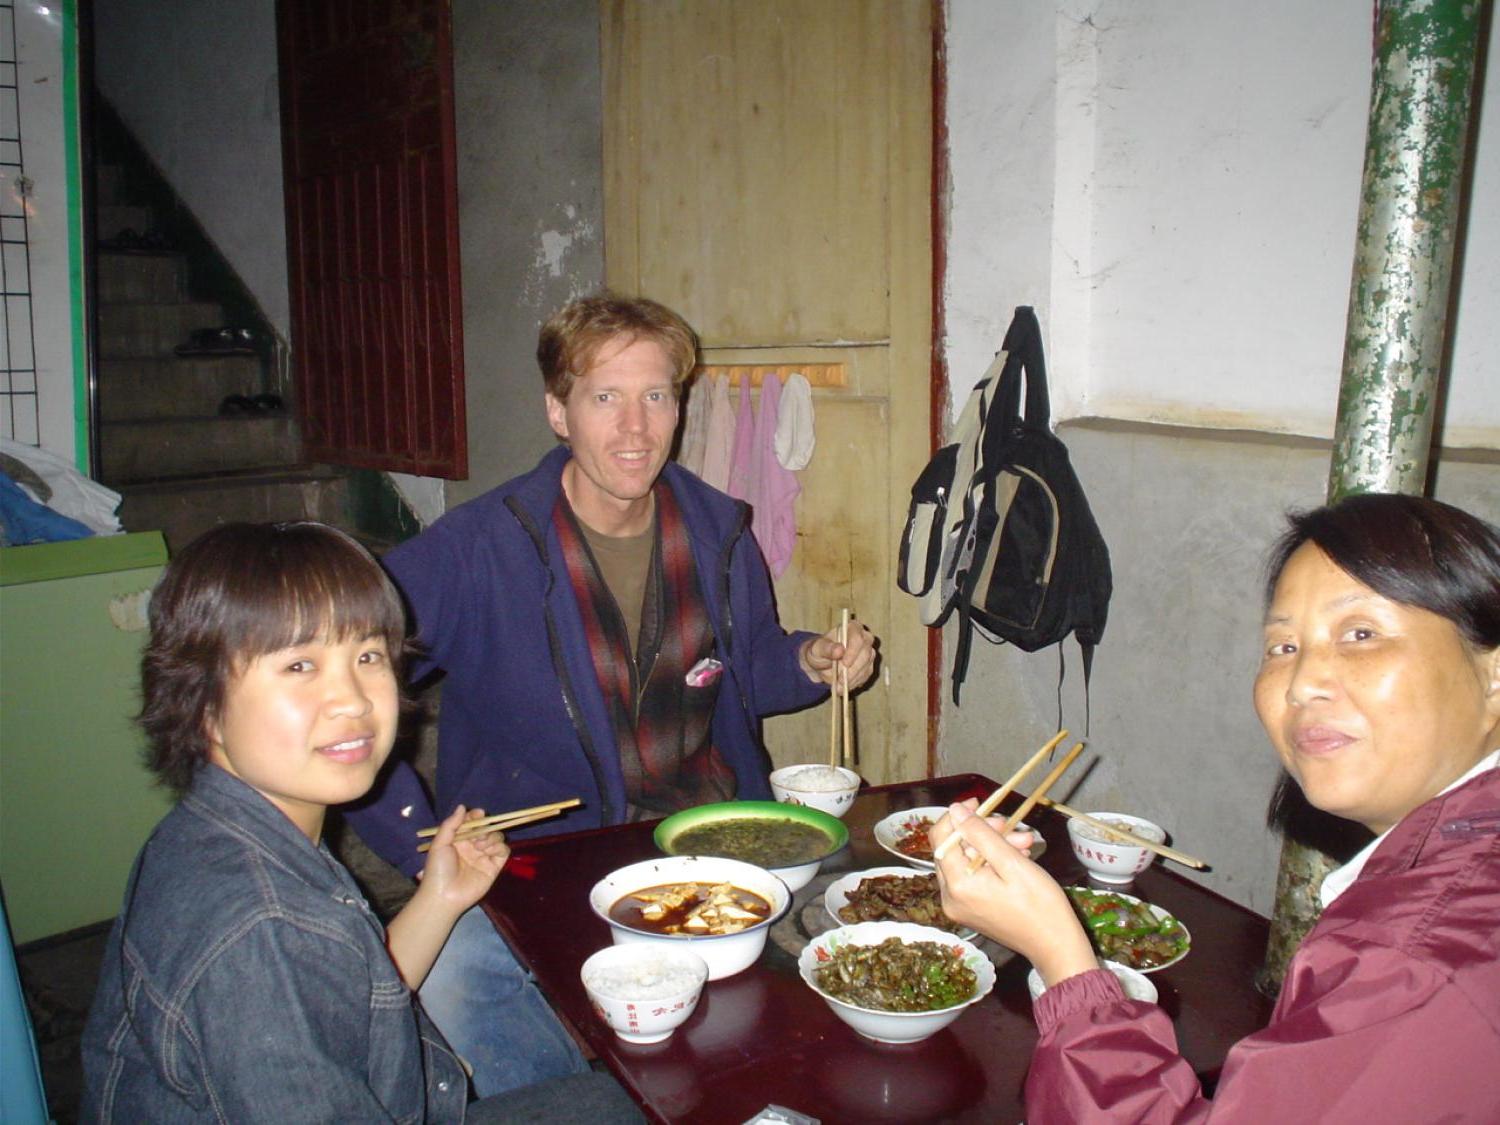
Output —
(1412, 550)
(238, 592)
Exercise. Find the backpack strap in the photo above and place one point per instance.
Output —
(1023, 347)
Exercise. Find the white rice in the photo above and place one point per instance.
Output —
(1145, 832)
(655, 979)
(816, 779)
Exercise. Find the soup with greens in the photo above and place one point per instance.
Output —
(762, 840)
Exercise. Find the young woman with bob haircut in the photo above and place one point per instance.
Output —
(1379, 688)
(246, 978)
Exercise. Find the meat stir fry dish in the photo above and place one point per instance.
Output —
(897, 898)
(898, 976)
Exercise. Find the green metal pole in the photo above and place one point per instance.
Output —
(1422, 83)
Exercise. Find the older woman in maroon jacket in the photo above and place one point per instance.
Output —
(1379, 687)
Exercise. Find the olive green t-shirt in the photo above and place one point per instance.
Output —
(625, 565)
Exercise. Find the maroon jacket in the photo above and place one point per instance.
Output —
(1390, 1010)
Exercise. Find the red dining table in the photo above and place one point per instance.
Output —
(762, 1037)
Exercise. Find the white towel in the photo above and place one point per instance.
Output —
(794, 427)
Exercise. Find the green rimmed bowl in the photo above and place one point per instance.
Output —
(794, 875)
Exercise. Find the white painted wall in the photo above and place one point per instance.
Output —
(1175, 187)
(39, 330)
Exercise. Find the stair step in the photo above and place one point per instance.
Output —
(110, 219)
(174, 387)
(184, 509)
(152, 329)
(137, 451)
(141, 278)
(109, 183)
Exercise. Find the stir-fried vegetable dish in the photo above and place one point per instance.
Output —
(897, 898)
(897, 976)
(1127, 931)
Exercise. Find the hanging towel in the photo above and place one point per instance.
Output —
(775, 494)
(695, 426)
(718, 443)
(794, 428)
(742, 467)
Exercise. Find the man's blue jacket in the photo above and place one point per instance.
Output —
(523, 720)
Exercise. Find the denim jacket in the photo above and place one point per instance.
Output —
(246, 979)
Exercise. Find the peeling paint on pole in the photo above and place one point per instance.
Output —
(1421, 89)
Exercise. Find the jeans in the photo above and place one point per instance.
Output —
(585, 1099)
(492, 1013)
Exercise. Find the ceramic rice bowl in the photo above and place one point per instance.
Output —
(805, 785)
(1115, 862)
(725, 954)
(1136, 984)
(795, 876)
(643, 992)
(893, 1027)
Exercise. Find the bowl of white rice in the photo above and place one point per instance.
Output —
(1109, 858)
(829, 789)
(643, 992)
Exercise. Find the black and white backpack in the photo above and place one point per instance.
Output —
(999, 529)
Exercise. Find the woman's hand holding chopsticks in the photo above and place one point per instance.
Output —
(459, 872)
(1007, 897)
(463, 866)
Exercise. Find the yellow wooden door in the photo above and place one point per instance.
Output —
(768, 174)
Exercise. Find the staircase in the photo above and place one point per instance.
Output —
(181, 463)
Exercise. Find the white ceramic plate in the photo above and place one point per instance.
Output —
(898, 824)
(837, 895)
(1158, 913)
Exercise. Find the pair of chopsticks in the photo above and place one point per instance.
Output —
(839, 708)
(992, 802)
(500, 822)
(1038, 797)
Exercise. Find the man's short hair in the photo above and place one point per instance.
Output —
(238, 592)
(570, 341)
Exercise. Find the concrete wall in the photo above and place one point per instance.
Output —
(195, 80)
(531, 205)
(1175, 188)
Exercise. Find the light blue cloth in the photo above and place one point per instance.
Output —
(22, 1100)
(492, 1013)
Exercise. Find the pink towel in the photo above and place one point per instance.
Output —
(775, 522)
(718, 443)
(758, 477)
(742, 467)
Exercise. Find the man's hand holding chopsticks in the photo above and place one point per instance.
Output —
(822, 656)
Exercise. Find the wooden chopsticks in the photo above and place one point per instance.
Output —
(500, 822)
(1129, 837)
(992, 802)
(839, 713)
(1036, 795)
